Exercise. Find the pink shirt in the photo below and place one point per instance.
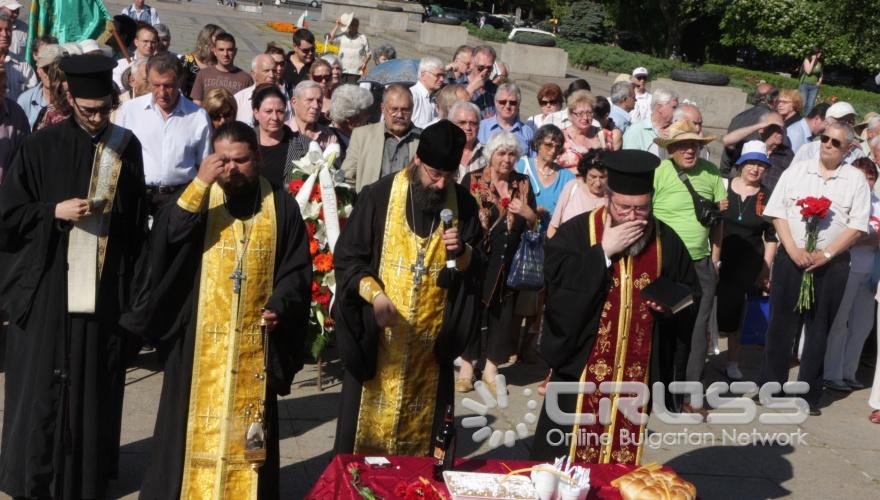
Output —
(574, 201)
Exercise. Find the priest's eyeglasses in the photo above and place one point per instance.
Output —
(624, 210)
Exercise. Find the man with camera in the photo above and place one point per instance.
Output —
(688, 197)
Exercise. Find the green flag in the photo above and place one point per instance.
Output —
(66, 20)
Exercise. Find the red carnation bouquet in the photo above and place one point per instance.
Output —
(813, 210)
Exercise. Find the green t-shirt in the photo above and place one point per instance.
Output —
(812, 77)
(674, 206)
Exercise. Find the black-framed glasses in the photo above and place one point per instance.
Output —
(641, 77)
(545, 102)
(834, 142)
(508, 102)
(628, 209)
(483, 68)
(90, 112)
(321, 78)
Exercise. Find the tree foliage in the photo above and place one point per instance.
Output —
(585, 22)
(847, 30)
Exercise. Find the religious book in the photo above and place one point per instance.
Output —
(669, 294)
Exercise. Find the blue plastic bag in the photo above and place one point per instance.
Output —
(527, 268)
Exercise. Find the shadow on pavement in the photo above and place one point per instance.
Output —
(735, 472)
(297, 479)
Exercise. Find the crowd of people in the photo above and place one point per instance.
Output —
(190, 156)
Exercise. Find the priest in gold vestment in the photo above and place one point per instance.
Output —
(407, 300)
(229, 295)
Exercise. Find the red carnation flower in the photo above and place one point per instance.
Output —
(505, 202)
(310, 228)
(295, 185)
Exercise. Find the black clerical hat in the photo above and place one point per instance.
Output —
(630, 171)
(441, 145)
(89, 76)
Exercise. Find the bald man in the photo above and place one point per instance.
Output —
(262, 71)
(771, 130)
(766, 96)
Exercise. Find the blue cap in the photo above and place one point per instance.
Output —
(761, 157)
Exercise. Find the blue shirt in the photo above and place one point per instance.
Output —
(798, 133)
(545, 196)
(621, 117)
(32, 102)
(489, 127)
(484, 98)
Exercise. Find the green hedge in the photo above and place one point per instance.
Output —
(616, 60)
(487, 33)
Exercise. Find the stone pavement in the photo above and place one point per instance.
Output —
(839, 459)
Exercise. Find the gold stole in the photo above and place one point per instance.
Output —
(228, 381)
(87, 244)
(397, 406)
(621, 352)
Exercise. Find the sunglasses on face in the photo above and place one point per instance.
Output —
(507, 103)
(547, 103)
(834, 142)
(321, 78)
(483, 68)
(641, 77)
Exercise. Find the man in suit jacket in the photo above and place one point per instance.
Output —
(383, 148)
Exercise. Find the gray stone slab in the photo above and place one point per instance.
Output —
(395, 21)
(533, 60)
(441, 35)
(724, 102)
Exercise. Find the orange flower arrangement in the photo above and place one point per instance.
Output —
(323, 262)
(282, 27)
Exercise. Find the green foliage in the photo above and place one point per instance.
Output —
(487, 33)
(585, 22)
(661, 23)
(615, 59)
(846, 29)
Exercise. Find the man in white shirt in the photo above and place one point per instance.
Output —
(19, 29)
(146, 42)
(140, 11)
(262, 71)
(431, 77)
(827, 176)
(642, 109)
(174, 133)
(839, 112)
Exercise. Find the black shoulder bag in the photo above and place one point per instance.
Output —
(706, 210)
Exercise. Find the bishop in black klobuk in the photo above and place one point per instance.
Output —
(598, 328)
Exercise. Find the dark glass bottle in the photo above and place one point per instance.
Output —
(444, 446)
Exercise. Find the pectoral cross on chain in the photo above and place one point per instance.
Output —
(237, 277)
(418, 269)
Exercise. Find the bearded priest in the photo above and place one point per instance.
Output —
(598, 325)
(407, 299)
(229, 293)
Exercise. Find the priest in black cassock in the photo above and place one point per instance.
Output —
(72, 227)
(598, 328)
(407, 300)
(227, 306)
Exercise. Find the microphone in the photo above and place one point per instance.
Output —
(446, 217)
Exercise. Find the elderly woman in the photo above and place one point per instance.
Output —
(582, 136)
(853, 322)
(584, 194)
(547, 178)
(59, 108)
(550, 100)
(466, 115)
(384, 53)
(349, 109)
(220, 106)
(279, 146)
(336, 69)
(506, 210)
(790, 105)
(201, 57)
(321, 73)
(747, 249)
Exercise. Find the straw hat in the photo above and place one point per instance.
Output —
(346, 19)
(859, 127)
(680, 131)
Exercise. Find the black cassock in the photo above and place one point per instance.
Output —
(167, 313)
(577, 282)
(358, 252)
(54, 165)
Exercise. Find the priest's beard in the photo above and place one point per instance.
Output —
(636, 247)
(235, 183)
(425, 197)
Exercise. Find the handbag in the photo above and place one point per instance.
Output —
(527, 268)
(706, 210)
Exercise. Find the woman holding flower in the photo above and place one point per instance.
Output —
(507, 208)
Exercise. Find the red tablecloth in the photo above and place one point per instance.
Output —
(335, 481)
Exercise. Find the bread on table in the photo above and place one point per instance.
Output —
(651, 483)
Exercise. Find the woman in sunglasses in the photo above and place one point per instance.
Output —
(550, 101)
(322, 73)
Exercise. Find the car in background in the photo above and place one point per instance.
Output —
(310, 3)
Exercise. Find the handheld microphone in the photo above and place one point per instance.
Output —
(446, 217)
